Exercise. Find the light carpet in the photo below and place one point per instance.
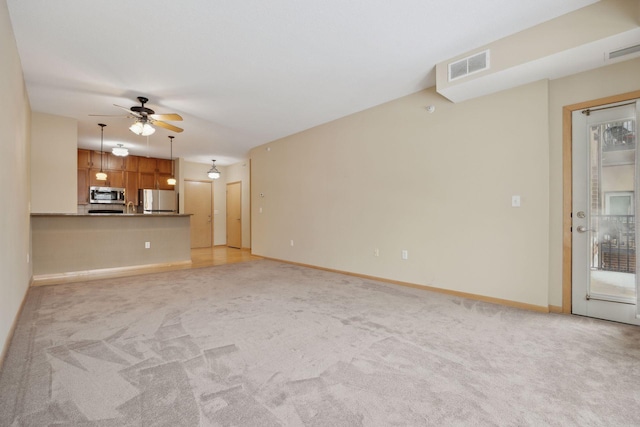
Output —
(269, 344)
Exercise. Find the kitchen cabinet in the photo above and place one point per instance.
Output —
(162, 181)
(163, 166)
(115, 163)
(147, 180)
(130, 173)
(83, 186)
(147, 164)
(84, 159)
(114, 178)
(131, 187)
(97, 161)
(131, 163)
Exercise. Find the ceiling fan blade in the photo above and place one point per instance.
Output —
(128, 110)
(120, 116)
(166, 126)
(172, 117)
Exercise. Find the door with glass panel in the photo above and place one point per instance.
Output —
(604, 234)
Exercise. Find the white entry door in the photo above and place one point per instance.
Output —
(604, 234)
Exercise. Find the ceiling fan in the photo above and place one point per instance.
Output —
(146, 117)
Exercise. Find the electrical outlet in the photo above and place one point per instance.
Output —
(376, 252)
(147, 245)
(405, 254)
(291, 242)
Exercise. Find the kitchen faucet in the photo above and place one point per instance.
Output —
(133, 208)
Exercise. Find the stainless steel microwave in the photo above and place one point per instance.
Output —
(110, 195)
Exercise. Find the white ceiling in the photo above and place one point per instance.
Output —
(244, 72)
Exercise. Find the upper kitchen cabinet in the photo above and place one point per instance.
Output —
(114, 178)
(131, 163)
(84, 159)
(115, 163)
(147, 165)
(164, 166)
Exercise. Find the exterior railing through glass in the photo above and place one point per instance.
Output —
(614, 245)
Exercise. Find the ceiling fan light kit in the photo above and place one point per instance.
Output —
(142, 128)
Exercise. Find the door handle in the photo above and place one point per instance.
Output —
(582, 229)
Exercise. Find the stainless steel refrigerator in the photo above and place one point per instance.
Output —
(157, 201)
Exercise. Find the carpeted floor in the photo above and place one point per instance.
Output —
(265, 343)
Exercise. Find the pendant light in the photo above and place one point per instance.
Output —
(101, 176)
(213, 172)
(120, 151)
(172, 180)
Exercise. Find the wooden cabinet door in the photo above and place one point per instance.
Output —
(83, 186)
(147, 164)
(162, 181)
(147, 180)
(95, 160)
(131, 164)
(164, 165)
(92, 178)
(114, 162)
(84, 159)
(115, 179)
(131, 187)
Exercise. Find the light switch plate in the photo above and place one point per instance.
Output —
(515, 201)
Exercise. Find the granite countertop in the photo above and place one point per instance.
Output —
(110, 215)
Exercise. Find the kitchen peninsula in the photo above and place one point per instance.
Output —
(72, 247)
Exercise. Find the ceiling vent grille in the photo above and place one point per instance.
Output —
(626, 51)
(469, 65)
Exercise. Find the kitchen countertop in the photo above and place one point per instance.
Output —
(111, 215)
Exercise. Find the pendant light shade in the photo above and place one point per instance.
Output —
(172, 180)
(120, 151)
(213, 172)
(101, 176)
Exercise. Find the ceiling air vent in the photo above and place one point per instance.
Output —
(469, 65)
(626, 51)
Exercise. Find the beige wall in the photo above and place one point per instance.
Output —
(439, 185)
(15, 269)
(54, 146)
(612, 80)
(512, 57)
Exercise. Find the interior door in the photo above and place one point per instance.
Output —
(234, 214)
(197, 201)
(604, 234)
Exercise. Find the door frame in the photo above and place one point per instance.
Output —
(567, 185)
